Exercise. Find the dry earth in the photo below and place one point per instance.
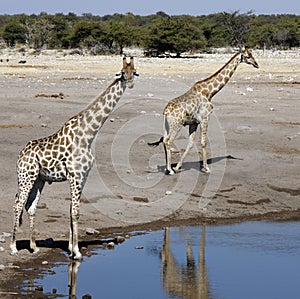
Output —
(255, 120)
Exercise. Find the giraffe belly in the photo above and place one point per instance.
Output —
(57, 173)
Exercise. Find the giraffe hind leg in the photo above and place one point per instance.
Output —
(30, 207)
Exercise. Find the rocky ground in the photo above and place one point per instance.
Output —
(254, 147)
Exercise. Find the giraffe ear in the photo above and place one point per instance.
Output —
(131, 62)
(124, 62)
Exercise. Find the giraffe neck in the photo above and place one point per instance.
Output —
(90, 120)
(213, 84)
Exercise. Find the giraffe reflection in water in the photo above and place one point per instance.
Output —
(72, 278)
(189, 281)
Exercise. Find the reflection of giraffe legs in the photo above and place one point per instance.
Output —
(184, 281)
(72, 278)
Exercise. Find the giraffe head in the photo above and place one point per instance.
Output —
(128, 72)
(247, 57)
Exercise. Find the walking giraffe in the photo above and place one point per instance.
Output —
(194, 107)
(65, 155)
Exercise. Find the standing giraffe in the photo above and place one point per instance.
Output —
(194, 107)
(65, 155)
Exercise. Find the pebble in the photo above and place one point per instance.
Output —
(91, 231)
(39, 288)
(119, 239)
(45, 263)
(111, 245)
(6, 235)
(2, 267)
(168, 192)
(139, 247)
(1, 249)
(2, 239)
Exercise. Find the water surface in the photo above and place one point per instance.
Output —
(245, 260)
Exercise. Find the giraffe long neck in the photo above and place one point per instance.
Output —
(91, 119)
(213, 84)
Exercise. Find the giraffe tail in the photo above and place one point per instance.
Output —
(157, 143)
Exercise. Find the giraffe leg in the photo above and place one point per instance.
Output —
(18, 211)
(30, 207)
(74, 216)
(192, 134)
(204, 125)
(171, 129)
(22, 197)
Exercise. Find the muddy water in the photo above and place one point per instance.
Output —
(246, 260)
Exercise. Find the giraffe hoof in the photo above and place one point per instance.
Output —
(169, 172)
(36, 251)
(205, 170)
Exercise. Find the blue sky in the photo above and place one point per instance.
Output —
(146, 7)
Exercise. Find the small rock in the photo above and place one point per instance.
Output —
(41, 206)
(44, 125)
(272, 109)
(249, 89)
(6, 235)
(150, 95)
(2, 267)
(2, 239)
(168, 192)
(139, 247)
(39, 288)
(119, 239)
(112, 120)
(1, 249)
(111, 245)
(12, 266)
(45, 263)
(91, 231)
(143, 112)
(140, 199)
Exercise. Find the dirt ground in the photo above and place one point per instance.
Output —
(254, 146)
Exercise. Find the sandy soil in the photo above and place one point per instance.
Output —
(255, 121)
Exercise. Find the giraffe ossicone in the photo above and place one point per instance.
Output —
(193, 109)
(65, 155)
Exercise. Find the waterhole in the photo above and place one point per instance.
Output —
(244, 260)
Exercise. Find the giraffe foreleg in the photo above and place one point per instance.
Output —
(204, 125)
(76, 188)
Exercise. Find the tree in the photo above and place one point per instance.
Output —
(238, 26)
(13, 33)
(119, 35)
(39, 32)
(175, 35)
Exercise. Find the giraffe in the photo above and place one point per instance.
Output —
(194, 107)
(65, 155)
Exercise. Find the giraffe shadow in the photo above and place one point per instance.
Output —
(198, 164)
(62, 244)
